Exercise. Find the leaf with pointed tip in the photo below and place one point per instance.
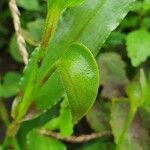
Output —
(80, 77)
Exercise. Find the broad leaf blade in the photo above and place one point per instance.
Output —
(79, 21)
(80, 76)
(138, 46)
(79, 24)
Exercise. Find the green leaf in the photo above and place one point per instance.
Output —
(14, 50)
(31, 5)
(70, 3)
(34, 31)
(26, 82)
(9, 86)
(40, 142)
(76, 25)
(137, 137)
(146, 5)
(64, 3)
(113, 75)
(80, 77)
(98, 117)
(63, 122)
(145, 86)
(134, 92)
(138, 46)
(98, 145)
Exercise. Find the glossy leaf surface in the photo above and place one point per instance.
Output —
(76, 25)
(80, 77)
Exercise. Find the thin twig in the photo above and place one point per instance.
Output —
(75, 139)
(16, 20)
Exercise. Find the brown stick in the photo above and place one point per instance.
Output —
(75, 139)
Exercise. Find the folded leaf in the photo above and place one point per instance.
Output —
(80, 77)
(77, 24)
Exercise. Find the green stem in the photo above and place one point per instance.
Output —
(40, 83)
(126, 127)
(50, 28)
(48, 74)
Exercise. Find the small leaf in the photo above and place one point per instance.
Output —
(113, 75)
(137, 137)
(79, 73)
(9, 86)
(63, 122)
(14, 50)
(138, 46)
(40, 142)
(134, 92)
(34, 32)
(98, 117)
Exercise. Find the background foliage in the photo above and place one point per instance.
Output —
(124, 84)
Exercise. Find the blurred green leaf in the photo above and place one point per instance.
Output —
(40, 142)
(98, 117)
(98, 145)
(9, 85)
(113, 75)
(115, 39)
(134, 92)
(145, 86)
(137, 137)
(30, 5)
(14, 50)
(146, 22)
(63, 122)
(146, 5)
(34, 31)
(138, 46)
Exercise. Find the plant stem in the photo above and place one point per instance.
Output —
(50, 28)
(48, 74)
(129, 120)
